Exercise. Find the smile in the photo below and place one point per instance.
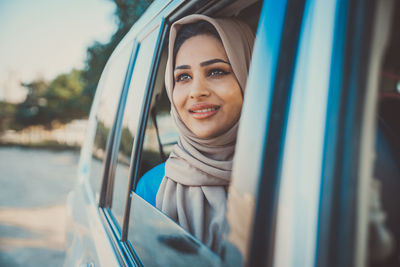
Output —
(203, 111)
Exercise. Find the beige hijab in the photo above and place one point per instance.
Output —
(197, 173)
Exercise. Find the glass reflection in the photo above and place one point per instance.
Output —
(130, 122)
(110, 87)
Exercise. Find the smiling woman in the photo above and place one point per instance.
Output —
(206, 93)
(205, 79)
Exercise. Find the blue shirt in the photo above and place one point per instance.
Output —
(148, 185)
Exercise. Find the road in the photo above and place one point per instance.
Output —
(33, 188)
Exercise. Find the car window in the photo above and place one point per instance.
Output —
(149, 229)
(130, 122)
(158, 241)
(161, 134)
(111, 86)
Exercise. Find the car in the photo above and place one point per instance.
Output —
(316, 175)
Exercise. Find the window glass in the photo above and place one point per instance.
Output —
(161, 134)
(159, 241)
(130, 122)
(111, 84)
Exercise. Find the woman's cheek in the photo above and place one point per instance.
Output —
(178, 98)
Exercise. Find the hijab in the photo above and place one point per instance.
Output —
(193, 191)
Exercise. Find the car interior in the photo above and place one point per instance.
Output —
(387, 148)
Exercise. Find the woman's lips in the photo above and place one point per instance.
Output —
(203, 110)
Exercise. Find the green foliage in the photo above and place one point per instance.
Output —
(126, 142)
(6, 108)
(7, 111)
(61, 101)
(65, 86)
(65, 97)
(69, 95)
(31, 111)
(100, 141)
(127, 13)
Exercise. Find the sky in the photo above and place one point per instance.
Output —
(44, 38)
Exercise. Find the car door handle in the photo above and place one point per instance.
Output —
(91, 264)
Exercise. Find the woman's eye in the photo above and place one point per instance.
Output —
(217, 72)
(182, 77)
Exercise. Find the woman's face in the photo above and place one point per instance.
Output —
(206, 94)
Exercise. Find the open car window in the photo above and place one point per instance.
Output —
(119, 181)
(149, 229)
(110, 89)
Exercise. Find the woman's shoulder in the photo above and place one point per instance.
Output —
(148, 185)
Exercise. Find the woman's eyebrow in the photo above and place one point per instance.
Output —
(203, 64)
(182, 67)
(212, 61)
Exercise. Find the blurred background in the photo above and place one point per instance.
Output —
(51, 57)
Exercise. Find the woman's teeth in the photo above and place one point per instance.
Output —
(204, 110)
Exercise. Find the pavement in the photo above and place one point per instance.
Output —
(33, 189)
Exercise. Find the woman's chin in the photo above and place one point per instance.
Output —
(208, 133)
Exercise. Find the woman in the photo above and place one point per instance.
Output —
(208, 62)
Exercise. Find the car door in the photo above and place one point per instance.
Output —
(303, 162)
(87, 240)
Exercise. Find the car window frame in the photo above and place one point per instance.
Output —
(256, 171)
(104, 199)
(347, 169)
(269, 182)
(144, 111)
(85, 163)
(116, 232)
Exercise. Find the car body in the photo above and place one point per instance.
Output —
(304, 159)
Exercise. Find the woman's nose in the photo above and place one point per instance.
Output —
(199, 88)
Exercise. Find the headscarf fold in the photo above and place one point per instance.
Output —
(197, 172)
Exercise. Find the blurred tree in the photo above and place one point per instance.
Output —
(69, 95)
(126, 142)
(65, 101)
(7, 111)
(31, 111)
(61, 101)
(127, 12)
(100, 140)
